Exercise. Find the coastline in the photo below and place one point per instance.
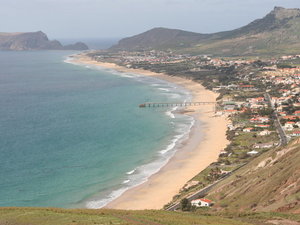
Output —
(196, 153)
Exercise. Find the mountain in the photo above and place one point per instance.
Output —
(271, 182)
(160, 37)
(77, 46)
(34, 41)
(276, 33)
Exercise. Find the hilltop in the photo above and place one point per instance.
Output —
(34, 41)
(276, 33)
(160, 38)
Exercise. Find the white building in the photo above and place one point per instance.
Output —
(253, 152)
(202, 202)
(264, 133)
(289, 125)
(296, 134)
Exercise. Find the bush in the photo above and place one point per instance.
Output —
(185, 205)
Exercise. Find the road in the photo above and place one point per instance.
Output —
(203, 191)
(283, 142)
(277, 124)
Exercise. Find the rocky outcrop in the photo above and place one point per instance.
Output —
(34, 41)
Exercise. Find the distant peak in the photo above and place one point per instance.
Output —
(40, 32)
(278, 8)
(283, 13)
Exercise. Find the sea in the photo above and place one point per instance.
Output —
(73, 135)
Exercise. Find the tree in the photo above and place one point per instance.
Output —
(185, 205)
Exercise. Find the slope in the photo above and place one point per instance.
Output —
(271, 182)
(48, 216)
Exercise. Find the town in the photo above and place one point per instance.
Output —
(259, 96)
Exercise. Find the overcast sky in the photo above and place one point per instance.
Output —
(120, 18)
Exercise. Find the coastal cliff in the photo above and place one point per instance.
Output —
(34, 41)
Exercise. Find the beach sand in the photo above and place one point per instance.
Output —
(206, 140)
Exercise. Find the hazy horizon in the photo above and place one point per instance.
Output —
(93, 19)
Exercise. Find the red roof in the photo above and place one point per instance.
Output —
(205, 200)
(262, 125)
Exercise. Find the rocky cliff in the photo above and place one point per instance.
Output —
(34, 41)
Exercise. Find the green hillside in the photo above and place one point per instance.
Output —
(271, 182)
(35, 216)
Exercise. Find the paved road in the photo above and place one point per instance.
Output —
(277, 124)
(203, 191)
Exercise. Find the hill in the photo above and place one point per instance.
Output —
(277, 33)
(160, 38)
(271, 182)
(34, 41)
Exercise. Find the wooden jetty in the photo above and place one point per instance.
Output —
(173, 104)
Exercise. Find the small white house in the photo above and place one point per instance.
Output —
(202, 202)
(265, 145)
(248, 129)
(253, 152)
(289, 125)
(264, 133)
(296, 134)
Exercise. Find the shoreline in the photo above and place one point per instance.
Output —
(190, 159)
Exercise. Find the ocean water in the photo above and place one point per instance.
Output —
(74, 136)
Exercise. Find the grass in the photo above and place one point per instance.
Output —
(47, 216)
(267, 188)
(52, 216)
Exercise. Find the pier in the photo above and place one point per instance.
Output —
(170, 104)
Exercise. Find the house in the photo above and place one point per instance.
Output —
(229, 107)
(289, 117)
(248, 129)
(253, 152)
(229, 112)
(223, 154)
(296, 134)
(265, 145)
(246, 87)
(289, 125)
(202, 202)
(282, 113)
(259, 119)
(264, 133)
(262, 125)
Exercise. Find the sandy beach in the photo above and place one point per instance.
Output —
(206, 140)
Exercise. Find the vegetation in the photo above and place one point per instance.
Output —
(268, 183)
(49, 216)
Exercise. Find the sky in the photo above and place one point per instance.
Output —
(80, 19)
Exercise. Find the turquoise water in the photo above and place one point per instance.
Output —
(74, 136)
